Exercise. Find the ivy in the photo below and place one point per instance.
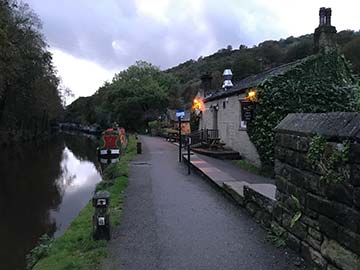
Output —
(318, 83)
(298, 212)
(316, 148)
(331, 161)
(39, 251)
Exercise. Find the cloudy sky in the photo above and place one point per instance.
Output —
(92, 39)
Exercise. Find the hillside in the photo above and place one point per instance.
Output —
(245, 61)
(177, 86)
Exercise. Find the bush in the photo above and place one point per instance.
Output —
(319, 83)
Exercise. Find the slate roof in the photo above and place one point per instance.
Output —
(172, 115)
(252, 81)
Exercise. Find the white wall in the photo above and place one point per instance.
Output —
(230, 131)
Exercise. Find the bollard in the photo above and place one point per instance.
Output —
(138, 147)
(101, 218)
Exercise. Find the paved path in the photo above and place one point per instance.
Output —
(236, 172)
(175, 221)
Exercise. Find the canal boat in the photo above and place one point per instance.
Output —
(113, 142)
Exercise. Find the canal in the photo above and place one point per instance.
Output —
(43, 187)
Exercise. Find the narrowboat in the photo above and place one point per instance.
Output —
(112, 142)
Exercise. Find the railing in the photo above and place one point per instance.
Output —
(203, 136)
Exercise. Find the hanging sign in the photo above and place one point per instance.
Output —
(180, 113)
(247, 110)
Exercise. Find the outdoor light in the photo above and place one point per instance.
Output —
(251, 95)
(198, 105)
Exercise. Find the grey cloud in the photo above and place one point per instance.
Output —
(87, 29)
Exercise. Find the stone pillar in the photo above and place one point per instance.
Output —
(325, 34)
(322, 16)
(328, 16)
(317, 213)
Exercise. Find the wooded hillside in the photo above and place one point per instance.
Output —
(142, 92)
(29, 96)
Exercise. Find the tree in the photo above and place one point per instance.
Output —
(352, 53)
(29, 97)
(137, 95)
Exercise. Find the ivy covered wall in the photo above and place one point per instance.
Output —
(319, 83)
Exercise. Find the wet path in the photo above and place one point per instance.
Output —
(175, 221)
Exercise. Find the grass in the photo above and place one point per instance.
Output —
(243, 164)
(76, 249)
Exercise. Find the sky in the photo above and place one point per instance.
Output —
(91, 40)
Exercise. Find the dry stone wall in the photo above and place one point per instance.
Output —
(327, 232)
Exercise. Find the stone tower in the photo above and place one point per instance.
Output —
(325, 34)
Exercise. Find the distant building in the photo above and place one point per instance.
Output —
(225, 108)
(172, 122)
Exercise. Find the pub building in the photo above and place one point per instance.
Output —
(229, 109)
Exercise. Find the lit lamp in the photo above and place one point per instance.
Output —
(252, 95)
(198, 106)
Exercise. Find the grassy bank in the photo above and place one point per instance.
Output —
(76, 249)
(243, 164)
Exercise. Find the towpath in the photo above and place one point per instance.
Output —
(177, 221)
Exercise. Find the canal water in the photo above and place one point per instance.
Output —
(43, 187)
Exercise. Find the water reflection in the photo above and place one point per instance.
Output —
(77, 181)
(42, 188)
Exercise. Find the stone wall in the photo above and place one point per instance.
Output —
(328, 231)
(230, 132)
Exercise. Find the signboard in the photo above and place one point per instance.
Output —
(247, 110)
(180, 113)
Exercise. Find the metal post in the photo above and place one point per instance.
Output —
(179, 119)
(188, 153)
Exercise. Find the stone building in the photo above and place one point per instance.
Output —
(172, 122)
(228, 110)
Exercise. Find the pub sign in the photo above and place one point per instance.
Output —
(247, 110)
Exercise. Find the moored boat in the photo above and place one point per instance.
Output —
(112, 142)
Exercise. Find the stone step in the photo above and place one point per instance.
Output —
(236, 190)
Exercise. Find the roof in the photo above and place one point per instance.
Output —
(252, 81)
(172, 115)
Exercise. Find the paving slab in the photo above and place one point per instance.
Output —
(267, 190)
(236, 190)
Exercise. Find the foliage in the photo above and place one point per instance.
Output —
(41, 250)
(135, 96)
(316, 148)
(327, 85)
(29, 96)
(298, 212)
(76, 249)
(352, 52)
(332, 161)
(243, 164)
(277, 238)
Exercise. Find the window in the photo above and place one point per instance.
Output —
(242, 124)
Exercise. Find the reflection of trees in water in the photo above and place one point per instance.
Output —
(27, 192)
(83, 147)
(30, 187)
(66, 179)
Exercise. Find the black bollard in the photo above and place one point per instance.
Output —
(101, 218)
(138, 147)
